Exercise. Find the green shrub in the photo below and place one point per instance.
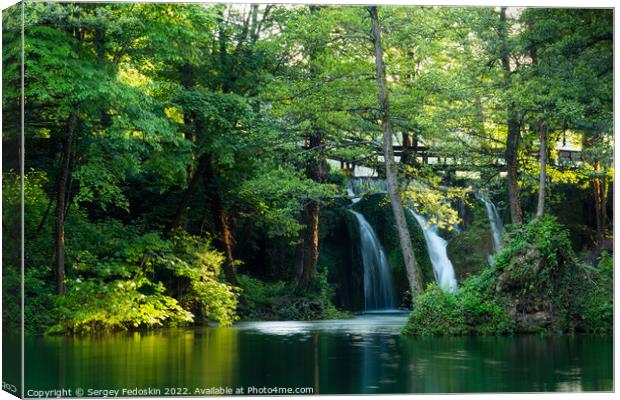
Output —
(145, 282)
(544, 236)
(194, 259)
(39, 302)
(536, 274)
(280, 301)
(596, 310)
(39, 282)
(118, 276)
(11, 293)
(539, 265)
(257, 296)
(95, 306)
(468, 311)
(436, 312)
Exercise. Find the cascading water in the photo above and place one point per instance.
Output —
(378, 287)
(354, 197)
(436, 245)
(442, 266)
(497, 228)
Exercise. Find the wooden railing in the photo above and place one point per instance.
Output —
(441, 162)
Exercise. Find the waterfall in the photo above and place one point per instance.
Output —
(497, 228)
(378, 287)
(354, 197)
(373, 255)
(436, 245)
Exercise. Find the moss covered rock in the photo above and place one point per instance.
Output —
(545, 286)
(469, 250)
(536, 284)
(377, 210)
(340, 255)
(273, 301)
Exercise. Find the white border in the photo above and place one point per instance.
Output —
(514, 3)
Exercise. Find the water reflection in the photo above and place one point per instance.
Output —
(363, 355)
(368, 323)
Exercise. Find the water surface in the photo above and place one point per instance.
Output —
(362, 355)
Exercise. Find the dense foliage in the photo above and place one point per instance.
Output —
(282, 301)
(595, 309)
(469, 249)
(470, 311)
(189, 163)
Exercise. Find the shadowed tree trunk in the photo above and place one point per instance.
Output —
(61, 196)
(512, 166)
(299, 255)
(310, 242)
(192, 129)
(540, 210)
(514, 130)
(225, 237)
(600, 186)
(390, 166)
(187, 195)
(316, 170)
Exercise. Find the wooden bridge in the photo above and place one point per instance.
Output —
(566, 158)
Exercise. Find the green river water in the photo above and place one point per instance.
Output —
(362, 355)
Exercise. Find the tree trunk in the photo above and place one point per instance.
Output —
(512, 166)
(310, 243)
(61, 193)
(598, 207)
(316, 170)
(512, 140)
(44, 218)
(225, 236)
(599, 185)
(299, 256)
(187, 195)
(540, 210)
(390, 167)
(604, 197)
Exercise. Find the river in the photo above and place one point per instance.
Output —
(361, 355)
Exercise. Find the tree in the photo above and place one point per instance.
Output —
(565, 86)
(322, 62)
(210, 73)
(79, 111)
(513, 136)
(390, 166)
(540, 207)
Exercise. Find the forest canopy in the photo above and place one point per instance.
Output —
(189, 163)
